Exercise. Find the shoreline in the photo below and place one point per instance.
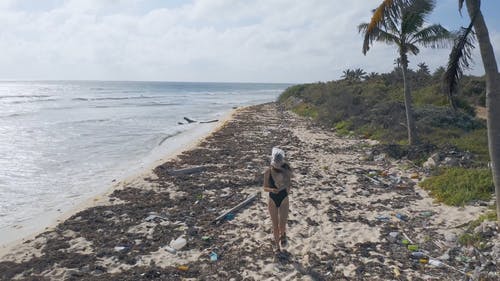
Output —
(27, 230)
(342, 225)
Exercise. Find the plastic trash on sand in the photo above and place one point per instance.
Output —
(397, 273)
(183, 267)
(436, 263)
(170, 250)
(120, 248)
(402, 217)
(394, 234)
(178, 243)
(213, 256)
(382, 218)
(417, 255)
(229, 216)
(413, 248)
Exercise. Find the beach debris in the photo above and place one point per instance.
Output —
(394, 234)
(382, 218)
(395, 179)
(186, 171)
(436, 263)
(426, 214)
(119, 248)
(396, 271)
(209, 121)
(229, 217)
(213, 256)
(206, 238)
(152, 217)
(392, 237)
(237, 207)
(189, 120)
(170, 250)
(407, 238)
(402, 217)
(405, 242)
(373, 180)
(417, 255)
(108, 213)
(178, 243)
(413, 247)
(183, 267)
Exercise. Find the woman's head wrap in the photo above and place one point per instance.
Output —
(277, 157)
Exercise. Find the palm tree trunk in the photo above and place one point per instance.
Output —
(492, 93)
(410, 122)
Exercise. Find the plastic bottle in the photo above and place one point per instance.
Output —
(178, 243)
(436, 263)
(413, 248)
(417, 255)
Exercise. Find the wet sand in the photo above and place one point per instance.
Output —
(340, 215)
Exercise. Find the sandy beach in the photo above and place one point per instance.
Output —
(348, 215)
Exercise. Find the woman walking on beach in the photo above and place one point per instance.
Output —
(277, 180)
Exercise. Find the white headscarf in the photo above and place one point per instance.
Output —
(277, 157)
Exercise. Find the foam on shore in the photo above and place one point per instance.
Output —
(12, 236)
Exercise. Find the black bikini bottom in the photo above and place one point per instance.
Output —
(278, 197)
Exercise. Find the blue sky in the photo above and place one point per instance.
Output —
(203, 40)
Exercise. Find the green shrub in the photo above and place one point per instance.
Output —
(306, 110)
(458, 186)
(475, 141)
(375, 109)
(343, 127)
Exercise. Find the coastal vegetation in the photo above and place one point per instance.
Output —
(439, 108)
(404, 28)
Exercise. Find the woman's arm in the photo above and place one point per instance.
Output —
(267, 188)
(288, 182)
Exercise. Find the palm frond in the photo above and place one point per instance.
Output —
(388, 8)
(434, 36)
(460, 59)
(413, 49)
(378, 34)
(414, 15)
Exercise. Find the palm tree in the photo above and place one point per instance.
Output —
(459, 58)
(347, 74)
(355, 75)
(401, 23)
(359, 74)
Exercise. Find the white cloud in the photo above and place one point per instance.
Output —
(204, 40)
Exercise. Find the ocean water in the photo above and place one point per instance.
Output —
(64, 141)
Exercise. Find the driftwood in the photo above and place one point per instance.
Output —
(189, 120)
(210, 121)
(237, 207)
(187, 171)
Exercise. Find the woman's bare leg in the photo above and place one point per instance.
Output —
(283, 215)
(273, 212)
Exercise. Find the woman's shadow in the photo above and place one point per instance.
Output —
(284, 258)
